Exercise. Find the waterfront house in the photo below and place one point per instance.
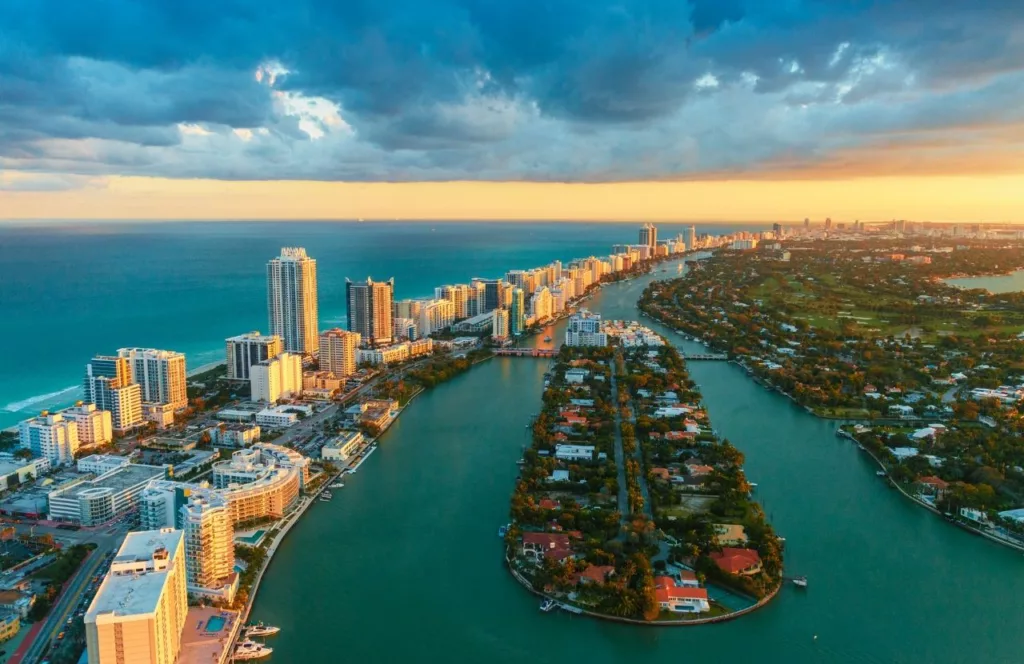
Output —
(662, 474)
(670, 411)
(687, 579)
(559, 476)
(901, 411)
(743, 562)
(548, 545)
(933, 486)
(548, 504)
(680, 599)
(576, 376)
(596, 574)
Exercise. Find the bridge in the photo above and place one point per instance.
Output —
(705, 356)
(526, 352)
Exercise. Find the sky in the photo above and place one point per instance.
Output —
(486, 109)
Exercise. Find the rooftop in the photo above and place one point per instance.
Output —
(116, 480)
(127, 594)
(200, 646)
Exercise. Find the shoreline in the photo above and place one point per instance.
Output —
(864, 421)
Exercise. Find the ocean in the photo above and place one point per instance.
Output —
(72, 290)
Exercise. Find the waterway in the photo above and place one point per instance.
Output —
(997, 283)
(405, 563)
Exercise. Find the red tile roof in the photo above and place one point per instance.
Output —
(734, 560)
(936, 482)
(596, 573)
(665, 590)
(548, 504)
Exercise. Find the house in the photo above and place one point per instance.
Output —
(576, 376)
(680, 599)
(688, 579)
(549, 545)
(743, 562)
(559, 476)
(662, 474)
(13, 601)
(548, 504)
(925, 433)
(572, 419)
(699, 470)
(934, 486)
(901, 411)
(687, 482)
(971, 514)
(670, 411)
(574, 452)
(730, 534)
(595, 574)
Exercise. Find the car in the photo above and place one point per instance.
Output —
(60, 636)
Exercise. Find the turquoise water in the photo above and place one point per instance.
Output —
(1002, 283)
(215, 624)
(409, 562)
(69, 291)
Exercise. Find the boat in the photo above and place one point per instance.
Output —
(251, 650)
(521, 462)
(337, 485)
(880, 473)
(260, 629)
(325, 497)
(800, 581)
(502, 530)
(548, 605)
(547, 338)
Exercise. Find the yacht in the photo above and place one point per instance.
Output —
(800, 581)
(251, 650)
(337, 485)
(547, 338)
(880, 473)
(259, 629)
(502, 530)
(326, 496)
(547, 605)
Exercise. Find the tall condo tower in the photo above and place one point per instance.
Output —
(649, 235)
(370, 310)
(291, 300)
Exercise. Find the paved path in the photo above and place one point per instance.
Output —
(638, 455)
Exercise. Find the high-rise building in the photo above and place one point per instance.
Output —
(649, 235)
(493, 293)
(109, 386)
(541, 305)
(517, 312)
(139, 611)
(276, 378)
(209, 545)
(338, 351)
(51, 437)
(807, 222)
(500, 328)
(370, 311)
(435, 315)
(458, 295)
(691, 238)
(248, 349)
(585, 329)
(292, 300)
(408, 309)
(95, 426)
(160, 373)
(828, 223)
(777, 229)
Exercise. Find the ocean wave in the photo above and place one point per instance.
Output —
(17, 406)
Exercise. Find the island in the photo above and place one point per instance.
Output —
(628, 505)
(926, 377)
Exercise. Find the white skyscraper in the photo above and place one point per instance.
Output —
(292, 300)
(139, 611)
(585, 329)
(246, 350)
(160, 373)
(50, 436)
(209, 544)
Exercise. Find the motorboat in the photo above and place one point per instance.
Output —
(547, 338)
(548, 605)
(337, 485)
(502, 530)
(259, 629)
(800, 581)
(247, 650)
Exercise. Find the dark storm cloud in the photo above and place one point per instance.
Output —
(542, 89)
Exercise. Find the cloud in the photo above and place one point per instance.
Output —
(579, 90)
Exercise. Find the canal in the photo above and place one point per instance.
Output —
(405, 563)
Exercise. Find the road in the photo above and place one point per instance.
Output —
(620, 462)
(67, 603)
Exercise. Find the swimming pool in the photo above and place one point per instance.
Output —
(252, 539)
(215, 624)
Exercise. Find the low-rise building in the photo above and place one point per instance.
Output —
(743, 562)
(342, 446)
(677, 598)
(16, 471)
(278, 417)
(90, 502)
(10, 625)
(235, 435)
(574, 452)
(98, 464)
(16, 602)
(51, 436)
(95, 426)
(576, 376)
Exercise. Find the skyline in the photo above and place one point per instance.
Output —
(642, 110)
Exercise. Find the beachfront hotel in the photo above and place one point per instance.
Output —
(248, 349)
(108, 385)
(292, 300)
(50, 436)
(338, 349)
(370, 310)
(585, 329)
(160, 374)
(139, 611)
(95, 426)
(276, 378)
